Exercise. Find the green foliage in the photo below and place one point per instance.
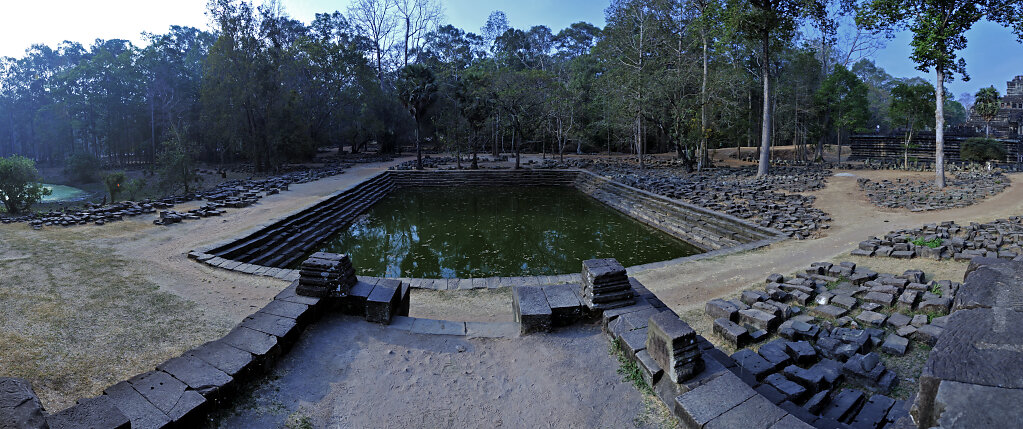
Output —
(133, 187)
(115, 183)
(834, 283)
(985, 104)
(19, 184)
(176, 166)
(935, 289)
(845, 95)
(912, 105)
(628, 368)
(82, 167)
(982, 150)
(933, 243)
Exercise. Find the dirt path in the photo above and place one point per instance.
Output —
(347, 373)
(690, 285)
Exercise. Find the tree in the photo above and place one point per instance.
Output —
(911, 105)
(377, 21)
(116, 183)
(985, 104)
(417, 88)
(939, 31)
(176, 166)
(769, 22)
(475, 104)
(19, 184)
(845, 95)
(418, 17)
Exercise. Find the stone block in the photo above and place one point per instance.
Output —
(438, 327)
(383, 302)
(98, 412)
(898, 320)
(828, 311)
(229, 359)
(874, 412)
(935, 305)
(871, 318)
(699, 406)
(19, 405)
(258, 343)
(755, 413)
(566, 308)
(531, 309)
(885, 299)
(843, 405)
(197, 374)
(751, 363)
(736, 335)
(281, 327)
(846, 302)
(928, 334)
(649, 368)
(131, 403)
(760, 319)
(895, 345)
(672, 344)
(719, 308)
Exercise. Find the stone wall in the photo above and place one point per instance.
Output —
(973, 377)
(891, 147)
(704, 228)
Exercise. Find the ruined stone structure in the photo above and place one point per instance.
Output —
(1009, 122)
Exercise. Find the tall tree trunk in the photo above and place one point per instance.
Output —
(765, 137)
(939, 130)
(419, 149)
(704, 158)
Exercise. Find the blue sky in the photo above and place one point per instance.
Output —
(993, 55)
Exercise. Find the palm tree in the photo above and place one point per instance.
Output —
(417, 87)
(986, 106)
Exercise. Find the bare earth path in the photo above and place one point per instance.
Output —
(348, 373)
(689, 285)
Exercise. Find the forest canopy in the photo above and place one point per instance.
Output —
(676, 76)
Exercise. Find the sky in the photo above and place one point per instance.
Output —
(993, 55)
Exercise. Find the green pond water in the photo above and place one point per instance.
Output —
(487, 232)
(61, 193)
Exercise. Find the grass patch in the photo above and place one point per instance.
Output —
(834, 283)
(933, 244)
(629, 369)
(78, 317)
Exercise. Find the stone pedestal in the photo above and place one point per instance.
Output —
(605, 285)
(672, 344)
(326, 275)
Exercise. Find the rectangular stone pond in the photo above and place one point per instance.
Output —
(540, 221)
(476, 231)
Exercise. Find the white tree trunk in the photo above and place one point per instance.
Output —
(765, 136)
(939, 131)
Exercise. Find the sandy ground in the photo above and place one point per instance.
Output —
(690, 285)
(347, 373)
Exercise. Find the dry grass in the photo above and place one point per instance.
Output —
(78, 318)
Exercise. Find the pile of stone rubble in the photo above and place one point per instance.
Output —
(965, 189)
(833, 321)
(1002, 238)
(230, 194)
(770, 201)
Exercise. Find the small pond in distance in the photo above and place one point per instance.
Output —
(62, 193)
(486, 232)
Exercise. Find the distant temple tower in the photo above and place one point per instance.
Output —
(1009, 122)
